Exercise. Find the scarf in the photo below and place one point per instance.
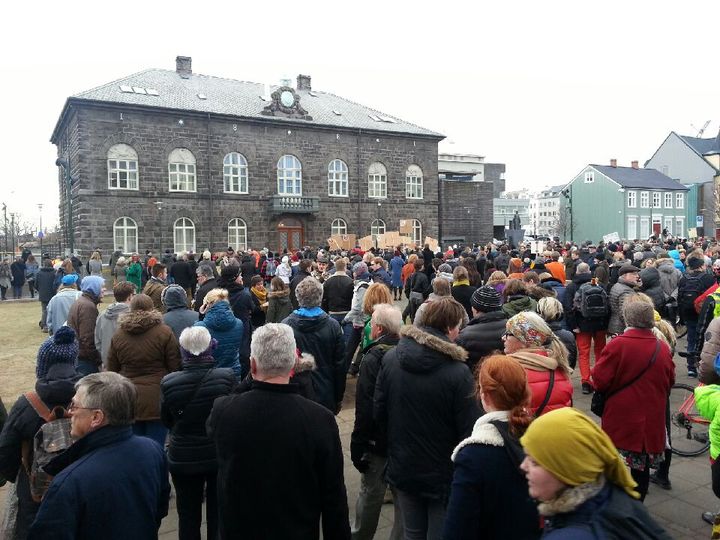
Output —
(309, 311)
(461, 282)
(260, 294)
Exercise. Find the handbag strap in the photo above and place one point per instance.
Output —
(545, 401)
(637, 377)
(40, 408)
(180, 412)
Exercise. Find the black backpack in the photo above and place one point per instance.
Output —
(691, 289)
(591, 301)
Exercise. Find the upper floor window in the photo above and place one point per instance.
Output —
(644, 199)
(181, 166)
(184, 234)
(417, 231)
(235, 173)
(589, 177)
(125, 234)
(680, 200)
(237, 234)
(414, 182)
(377, 181)
(668, 200)
(289, 176)
(656, 200)
(122, 164)
(338, 226)
(338, 179)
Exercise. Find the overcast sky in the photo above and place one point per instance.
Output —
(545, 87)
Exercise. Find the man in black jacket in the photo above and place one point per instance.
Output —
(484, 333)
(45, 285)
(274, 445)
(207, 282)
(368, 448)
(303, 272)
(182, 273)
(338, 292)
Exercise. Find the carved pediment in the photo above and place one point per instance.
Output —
(285, 102)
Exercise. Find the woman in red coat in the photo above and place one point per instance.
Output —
(634, 416)
(530, 341)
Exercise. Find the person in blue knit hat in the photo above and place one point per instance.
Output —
(60, 348)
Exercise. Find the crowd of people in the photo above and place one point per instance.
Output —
(224, 374)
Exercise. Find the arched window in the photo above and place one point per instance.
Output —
(377, 181)
(125, 233)
(338, 179)
(237, 234)
(413, 182)
(417, 231)
(122, 164)
(181, 166)
(289, 175)
(339, 226)
(235, 173)
(377, 227)
(184, 230)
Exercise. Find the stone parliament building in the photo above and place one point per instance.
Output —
(175, 160)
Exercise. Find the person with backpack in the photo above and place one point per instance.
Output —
(628, 281)
(269, 268)
(695, 281)
(55, 387)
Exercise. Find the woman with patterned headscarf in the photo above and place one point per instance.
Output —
(583, 488)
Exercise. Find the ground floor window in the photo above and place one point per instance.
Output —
(338, 226)
(237, 234)
(125, 234)
(417, 232)
(632, 228)
(184, 230)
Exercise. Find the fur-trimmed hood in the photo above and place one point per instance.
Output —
(279, 294)
(423, 349)
(484, 432)
(139, 322)
(306, 362)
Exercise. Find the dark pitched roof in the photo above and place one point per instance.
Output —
(628, 177)
(244, 100)
(703, 146)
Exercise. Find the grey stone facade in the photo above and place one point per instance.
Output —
(495, 173)
(88, 129)
(467, 211)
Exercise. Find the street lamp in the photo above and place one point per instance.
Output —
(65, 164)
(567, 193)
(160, 225)
(377, 227)
(41, 233)
(12, 232)
(6, 231)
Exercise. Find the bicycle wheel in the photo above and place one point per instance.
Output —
(688, 430)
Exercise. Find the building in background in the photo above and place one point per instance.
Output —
(695, 162)
(175, 160)
(545, 212)
(504, 208)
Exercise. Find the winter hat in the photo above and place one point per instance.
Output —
(69, 279)
(445, 268)
(230, 272)
(528, 328)
(695, 262)
(60, 348)
(486, 299)
(93, 285)
(173, 297)
(628, 269)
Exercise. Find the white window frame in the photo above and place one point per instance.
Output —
(417, 231)
(668, 224)
(338, 226)
(645, 227)
(182, 174)
(668, 196)
(413, 182)
(589, 177)
(122, 166)
(127, 225)
(377, 181)
(185, 228)
(289, 176)
(235, 174)
(644, 199)
(237, 234)
(632, 223)
(338, 179)
(680, 201)
(377, 227)
(680, 227)
(656, 199)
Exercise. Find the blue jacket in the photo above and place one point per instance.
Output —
(675, 256)
(110, 484)
(59, 307)
(396, 266)
(228, 331)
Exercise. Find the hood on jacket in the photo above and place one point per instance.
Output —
(58, 383)
(139, 322)
(220, 317)
(412, 350)
(582, 279)
(666, 266)
(307, 324)
(174, 297)
(306, 362)
(490, 316)
(115, 310)
(650, 277)
(285, 293)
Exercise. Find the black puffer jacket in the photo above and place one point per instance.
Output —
(482, 336)
(338, 293)
(45, 284)
(186, 400)
(322, 337)
(463, 294)
(574, 318)
(652, 286)
(424, 399)
(567, 338)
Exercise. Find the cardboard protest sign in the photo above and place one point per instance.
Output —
(366, 242)
(342, 241)
(406, 226)
(612, 237)
(433, 243)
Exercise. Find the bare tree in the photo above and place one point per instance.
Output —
(563, 224)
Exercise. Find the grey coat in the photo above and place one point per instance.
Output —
(105, 327)
(618, 292)
(59, 307)
(669, 277)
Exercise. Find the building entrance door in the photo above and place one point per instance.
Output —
(656, 228)
(290, 232)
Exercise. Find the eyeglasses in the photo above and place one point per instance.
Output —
(73, 407)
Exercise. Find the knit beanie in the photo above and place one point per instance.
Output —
(69, 279)
(93, 285)
(486, 299)
(60, 348)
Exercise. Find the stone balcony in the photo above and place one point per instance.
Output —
(284, 204)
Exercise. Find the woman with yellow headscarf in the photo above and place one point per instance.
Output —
(583, 488)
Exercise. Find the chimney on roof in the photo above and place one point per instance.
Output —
(613, 163)
(634, 164)
(183, 66)
(303, 82)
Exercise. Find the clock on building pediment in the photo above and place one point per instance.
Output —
(285, 102)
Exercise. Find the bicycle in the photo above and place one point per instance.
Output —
(689, 432)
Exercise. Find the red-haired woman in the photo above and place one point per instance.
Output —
(489, 491)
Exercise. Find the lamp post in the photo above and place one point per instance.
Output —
(12, 232)
(6, 231)
(65, 164)
(567, 193)
(41, 234)
(377, 227)
(160, 228)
